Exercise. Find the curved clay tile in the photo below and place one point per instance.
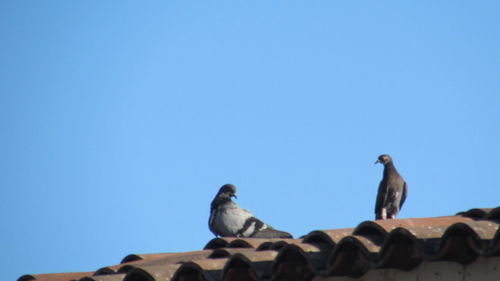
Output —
(326, 240)
(401, 244)
(218, 243)
(228, 252)
(220, 253)
(330, 237)
(132, 258)
(257, 256)
(149, 257)
(276, 246)
(171, 258)
(26, 277)
(352, 256)
(463, 242)
(234, 242)
(401, 250)
(428, 237)
(125, 268)
(106, 270)
(494, 214)
(256, 242)
(112, 277)
(292, 263)
(379, 229)
(319, 239)
(485, 229)
(243, 243)
(251, 266)
(134, 261)
(304, 246)
(476, 213)
(54, 276)
(458, 244)
(138, 274)
(203, 270)
(239, 268)
(494, 246)
(152, 272)
(270, 246)
(375, 230)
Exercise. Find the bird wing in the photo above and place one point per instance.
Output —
(251, 226)
(270, 232)
(236, 219)
(380, 197)
(403, 197)
(211, 221)
(256, 228)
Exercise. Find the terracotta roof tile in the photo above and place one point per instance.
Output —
(257, 264)
(401, 244)
(152, 272)
(110, 277)
(476, 213)
(68, 276)
(327, 237)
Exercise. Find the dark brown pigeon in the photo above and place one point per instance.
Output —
(392, 190)
(229, 220)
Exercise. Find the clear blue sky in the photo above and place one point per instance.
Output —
(120, 120)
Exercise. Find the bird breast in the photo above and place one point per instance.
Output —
(231, 220)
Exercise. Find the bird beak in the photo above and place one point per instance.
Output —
(234, 195)
(378, 161)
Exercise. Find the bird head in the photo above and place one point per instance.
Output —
(227, 191)
(384, 159)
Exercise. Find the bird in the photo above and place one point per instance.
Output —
(227, 219)
(392, 190)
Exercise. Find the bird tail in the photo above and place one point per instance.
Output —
(272, 233)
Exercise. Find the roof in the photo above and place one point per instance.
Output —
(400, 244)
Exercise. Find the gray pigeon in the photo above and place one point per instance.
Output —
(392, 191)
(229, 220)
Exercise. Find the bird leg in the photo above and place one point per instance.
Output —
(384, 213)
